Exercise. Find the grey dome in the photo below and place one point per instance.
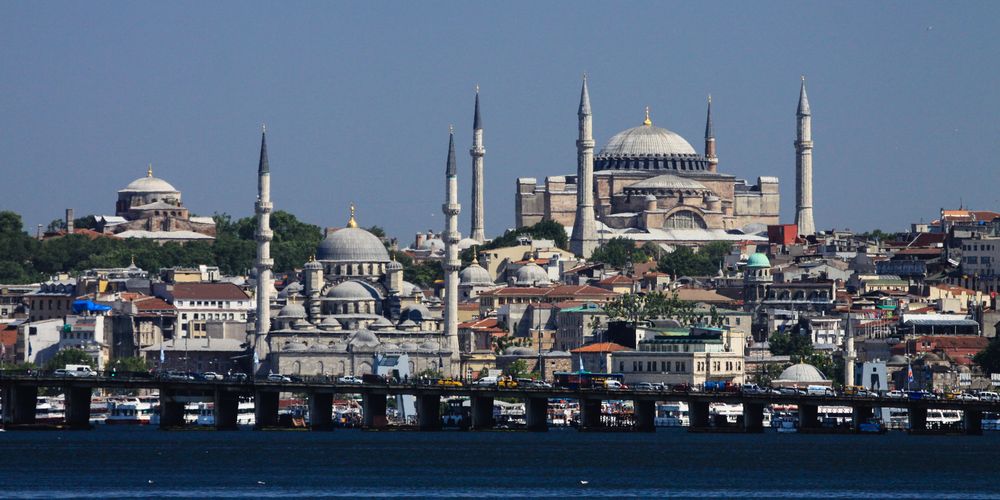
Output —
(291, 289)
(897, 359)
(408, 346)
(352, 244)
(520, 351)
(408, 324)
(394, 266)
(351, 290)
(330, 323)
(430, 345)
(313, 265)
(531, 274)
(149, 184)
(802, 372)
(432, 245)
(475, 275)
(364, 338)
(467, 243)
(646, 140)
(302, 324)
(380, 324)
(410, 288)
(292, 310)
(416, 312)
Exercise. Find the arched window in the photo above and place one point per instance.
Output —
(684, 219)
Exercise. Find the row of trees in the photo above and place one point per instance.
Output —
(621, 253)
(635, 308)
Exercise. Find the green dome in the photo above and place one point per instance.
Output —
(758, 260)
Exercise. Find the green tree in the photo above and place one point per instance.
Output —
(636, 308)
(989, 358)
(686, 262)
(517, 369)
(794, 344)
(620, 252)
(70, 357)
(131, 364)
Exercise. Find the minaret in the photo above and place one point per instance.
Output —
(713, 160)
(452, 264)
(584, 238)
(804, 166)
(263, 236)
(477, 152)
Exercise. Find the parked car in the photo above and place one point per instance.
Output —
(614, 385)
(277, 377)
(238, 377)
(752, 389)
(211, 376)
(349, 379)
(449, 382)
(645, 386)
(988, 396)
(895, 394)
(486, 382)
(173, 375)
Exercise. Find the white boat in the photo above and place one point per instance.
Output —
(130, 411)
(731, 412)
(204, 413)
(50, 410)
(672, 414)
(784, 424)
(943, 418)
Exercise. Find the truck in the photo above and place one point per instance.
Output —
(76, 371)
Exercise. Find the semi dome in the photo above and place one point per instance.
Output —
(802, 372)
(364, 338)
(648, 147)
(531, 274)
(350, 290)
(475, 275)
(352, 244)
(758, 260)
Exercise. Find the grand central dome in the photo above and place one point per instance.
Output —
(648, 147)
(352, 244)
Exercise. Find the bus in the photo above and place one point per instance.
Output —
(586, 380)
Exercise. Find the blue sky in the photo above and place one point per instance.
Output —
(358, 97)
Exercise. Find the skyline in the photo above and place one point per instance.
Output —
(102, 91)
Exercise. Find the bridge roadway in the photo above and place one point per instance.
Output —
(19, 392)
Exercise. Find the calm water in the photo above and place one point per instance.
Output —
(117, 462)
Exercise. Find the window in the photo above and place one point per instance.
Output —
(621, 366)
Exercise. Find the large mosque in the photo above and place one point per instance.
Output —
(649, 184)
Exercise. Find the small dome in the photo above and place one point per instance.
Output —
(364, 338)
(416, 312)
(351, 290)
(313, 265)
(380, 324)
(758, 261)
(465, 243)
(330, 323)
(430, 345)
(897, 359)
(802, 372)
(149, 184)
(408, 346)
(302, 324)
(520, 351)
(531, 274)
(394, 266)
(475, 275)
(410, 289)
(408, 324)
(290, 290)
(432, 245)
(292, 310)
(352, 244)
(650, 197)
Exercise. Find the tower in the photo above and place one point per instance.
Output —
(713, 160)
(804, 166)
(263, 236)
(584, 238)
(452, 264)
(477, 152)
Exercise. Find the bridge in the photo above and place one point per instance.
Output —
(19, 392)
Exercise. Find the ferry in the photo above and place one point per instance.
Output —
(672, 414)
(50, 410)
(730, 412)
(205, 413)
(130, 411)
(943, 419)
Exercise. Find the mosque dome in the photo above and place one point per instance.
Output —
(897, 359)
(802, 372)
(416, 312)
(312, 264)
(520, 351)
(758, 260)
(475, 275)
(648, 147)
(410, 288)
(430, 345)
(330, 323)
(292, 310)
(149, 184)
(394, 266)
(352, 244)
(433, 245)
(380, 324)
(364, 338)
(350, 290)
(408, 346)
(465, 243)
(531, 274)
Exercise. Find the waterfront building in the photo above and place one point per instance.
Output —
(197, 303)
(690, 356)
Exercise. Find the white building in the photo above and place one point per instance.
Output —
(198, 303)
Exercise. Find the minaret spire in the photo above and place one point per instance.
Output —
(584, 239)
(710, 155)
(264, 262)
(452, 264)
(803, 166)
(477, 152)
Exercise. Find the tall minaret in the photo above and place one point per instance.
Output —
(804, 166)
(584, 238)
(477, 152)
(263, 236)
(713, 160)
(452, 264)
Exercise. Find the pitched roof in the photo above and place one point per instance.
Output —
(601, 347)
(208, 291)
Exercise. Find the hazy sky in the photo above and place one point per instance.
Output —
(358, 97)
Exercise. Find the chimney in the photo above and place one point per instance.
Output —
(69, 221)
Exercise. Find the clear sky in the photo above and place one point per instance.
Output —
(358, 97)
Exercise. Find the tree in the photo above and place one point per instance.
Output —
(635, 308)
(620, 252)
(131, 364)
(70, 357)
(793, 344)
(517, 369)
(685, 262)
(989, 358)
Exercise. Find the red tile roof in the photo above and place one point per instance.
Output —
(601, 347)
(208, 291)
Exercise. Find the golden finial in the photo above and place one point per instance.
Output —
(351, 222)
(647, 122)
(475, 255)
(531, 258)
(149, 170)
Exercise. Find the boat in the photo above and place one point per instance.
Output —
(784, 423)
(50, 410)
(130, 411)
(872, 426)
(672, 414)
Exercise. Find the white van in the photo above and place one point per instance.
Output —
(77, 371)
(613, 384)
(487, 381)
(819, 390)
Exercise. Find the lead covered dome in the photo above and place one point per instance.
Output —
(648, 147)
(802, 372)
(149, 184)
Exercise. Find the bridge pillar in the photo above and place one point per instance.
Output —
(171, 411)
(753, 417)
(19, 403)
(860, 415)
(482, 413)
(808, 416)
(645, 415)
(265, 409)
(225, 410)
(973, 420)
(321, 411)
(698, 415)
(429, 412)
(590, 414)
(536, 414)
(373, 411)
(918, 419)
(78, 407)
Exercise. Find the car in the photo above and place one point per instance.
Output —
(895, 394)
(645, 386)
(965, 396)
(486, 382)
(788, 391)
(277, 377)
(614, 385)
(237, 377)
(752, 389)
(211, 376)
(988, 396)
(507, 383)
(172, 375)
(449, 382)
(349, 379)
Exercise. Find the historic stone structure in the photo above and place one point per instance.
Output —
(149, 207)
(804, 166)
